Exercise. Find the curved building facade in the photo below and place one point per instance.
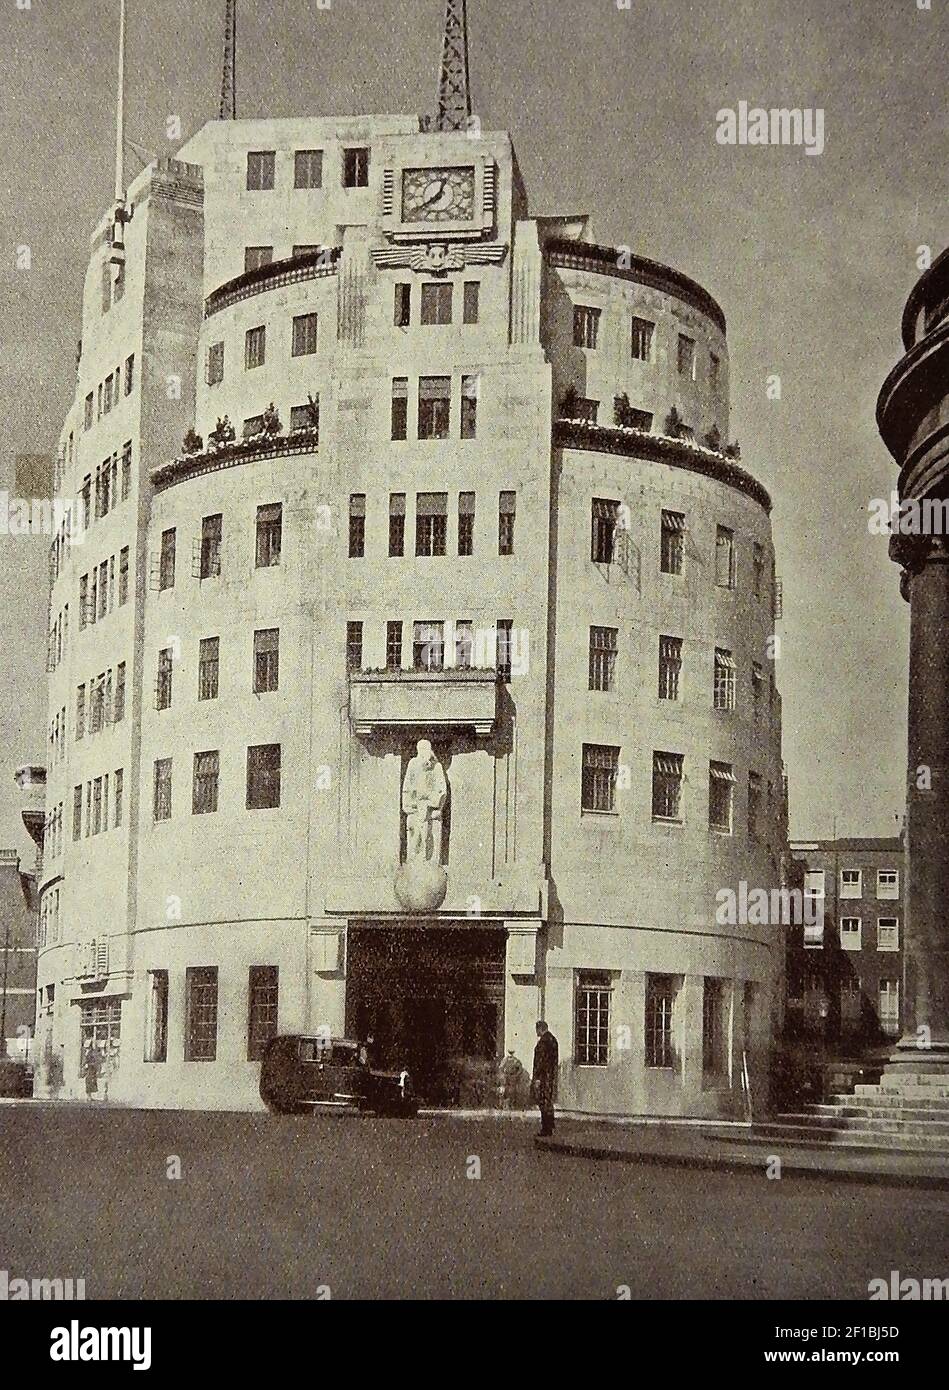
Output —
(453, 475)
(913, 418)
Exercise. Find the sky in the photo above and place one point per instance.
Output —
(613, 111)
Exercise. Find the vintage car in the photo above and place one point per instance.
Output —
(301, 1073)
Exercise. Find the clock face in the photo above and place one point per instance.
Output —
(438, 195)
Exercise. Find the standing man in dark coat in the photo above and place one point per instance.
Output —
(544, 1078)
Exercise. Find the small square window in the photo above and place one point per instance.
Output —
(255, 347)
(256, 257)
(686, 357)
(263, 777)
(260, 170)
(437, 303)
(641, 344)
(308, 169)
(851, 883)
(434, 407)
(600, 769)
(586, 326)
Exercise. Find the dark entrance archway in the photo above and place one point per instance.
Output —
(432, 998)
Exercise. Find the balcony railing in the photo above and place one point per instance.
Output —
(312, 265)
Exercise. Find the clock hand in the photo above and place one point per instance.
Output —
(441, 189)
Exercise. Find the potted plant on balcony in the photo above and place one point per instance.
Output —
(713, 439)
(192, 443)
(673, 424)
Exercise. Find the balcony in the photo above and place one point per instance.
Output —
(455, 698)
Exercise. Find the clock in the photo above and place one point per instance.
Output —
(438, 195)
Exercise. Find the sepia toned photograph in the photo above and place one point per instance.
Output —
(474, 813)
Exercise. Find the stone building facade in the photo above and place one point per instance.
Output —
(452, 473)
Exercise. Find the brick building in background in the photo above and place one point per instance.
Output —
(844, 971)
(17, 955)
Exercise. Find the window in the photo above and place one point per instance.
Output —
(308, 169)
(505, 640)
(306, 248)
(888, 883)
(209, 653)
(261, 1010)
(161, 803)
(888, 934)
(103, 588)
(434, 407)
(166, 566)
(466, 520)
(397, 523)
(600, 767)
(603, 643)
(586, 326)
(269, 534)
(163, 689)
(100, 1028)
(470, 390)
(851, 883)
(204, 786)
(754, 806)
(721, 797)
(724, 558)
(402, 309)
(436, 303)
(255, 257)
(129, 374)
(357, 525)
(686, 356)
(126, 469)
(86, 496)
(263, 776)
(156, 1025)
(255, 347)
(77, 812)
(201, 1012)
(400, 407)
(757, 682)
(266, 660)
(661, 995)
(211, 527)
(604, 521)
(667, 786)
(713, 371)
(507, 508)
(118, 709)
(464, 644)
(431, 523)
(724, 681)
(890, 1006)
(393, 646)
(306, 417)
(354, 646)
(355, 168)
(592, 1018)
(472, 301)
(304, 334)
(119, 789)
(428, 646)
(641, 340)
(672, 542)
(87, 416)
(714, 1040)
(851, 933)
(757, 555)
(670, 667)
(80, 711)
(260, 170)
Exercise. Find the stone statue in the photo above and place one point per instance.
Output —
(424, 790)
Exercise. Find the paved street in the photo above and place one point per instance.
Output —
(276, 1207)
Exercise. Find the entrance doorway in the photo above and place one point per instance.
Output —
(432, 998)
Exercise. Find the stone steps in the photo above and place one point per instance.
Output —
(803, 1130)
(837, 1119)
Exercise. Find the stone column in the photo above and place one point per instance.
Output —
(924, 1045)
